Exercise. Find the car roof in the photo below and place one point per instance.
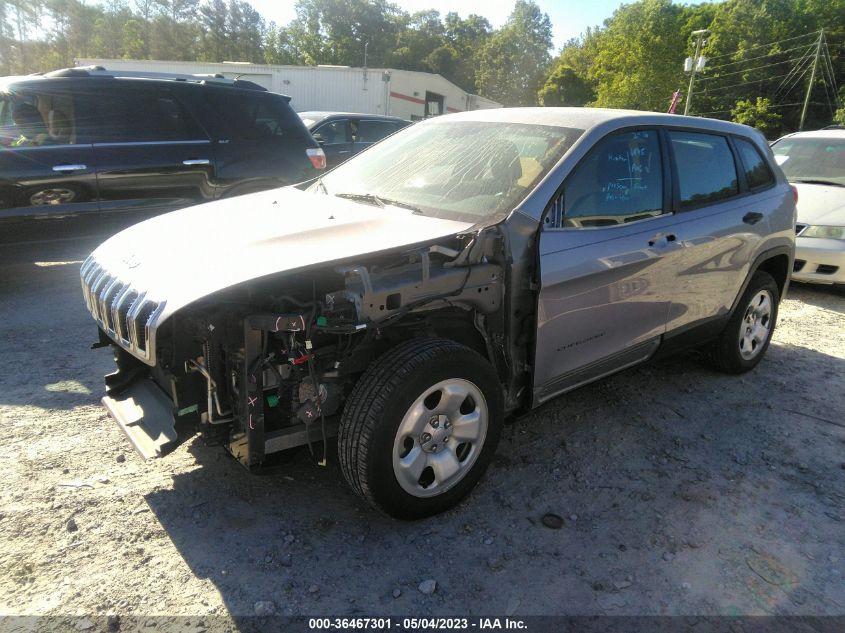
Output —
(826, 133)
(319, 115)
(586, 118)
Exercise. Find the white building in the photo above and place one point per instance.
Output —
(404, 93)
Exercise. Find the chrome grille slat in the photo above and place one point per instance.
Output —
(123, 312)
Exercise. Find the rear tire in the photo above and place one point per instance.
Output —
(420, 427)
(746, 337)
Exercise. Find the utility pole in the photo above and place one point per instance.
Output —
(697, 61)
(812, 80)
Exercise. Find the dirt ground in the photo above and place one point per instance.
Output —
(682, 491)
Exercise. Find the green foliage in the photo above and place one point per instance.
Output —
(565, 87)
(514, 62)
(758, 114)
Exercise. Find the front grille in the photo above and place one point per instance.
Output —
(798, 264)
(123, 312)
(826, 269)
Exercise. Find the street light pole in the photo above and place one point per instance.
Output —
(699, 42)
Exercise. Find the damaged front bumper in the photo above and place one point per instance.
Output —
(145, 414)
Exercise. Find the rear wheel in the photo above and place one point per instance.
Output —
(748, 333)
(420, 427)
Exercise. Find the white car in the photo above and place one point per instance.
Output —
(814, 162)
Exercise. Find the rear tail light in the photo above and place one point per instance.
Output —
(317, 157)
(794, 193)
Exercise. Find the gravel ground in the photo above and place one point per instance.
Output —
(681, 491)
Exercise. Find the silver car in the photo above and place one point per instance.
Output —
(468, 267)
(814, 162)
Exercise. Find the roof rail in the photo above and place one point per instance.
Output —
(216, 79)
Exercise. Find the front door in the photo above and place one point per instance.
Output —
(151, 155)
(607, 252)
(335, 137)
(46, 169)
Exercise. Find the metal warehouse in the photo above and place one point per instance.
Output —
(404, 93)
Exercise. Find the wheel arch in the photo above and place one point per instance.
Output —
(775, 261)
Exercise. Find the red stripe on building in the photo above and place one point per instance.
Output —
(451, 109)
(399, 95)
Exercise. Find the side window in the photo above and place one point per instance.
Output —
(135, 116)
(706, 169)
(33, 119)
(757, 172)
(333, 132)
(374, 131)
(252, 116)
(620, 181)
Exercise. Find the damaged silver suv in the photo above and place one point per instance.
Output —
(468, 267)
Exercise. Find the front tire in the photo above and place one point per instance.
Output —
(421, 427)
(746, 337)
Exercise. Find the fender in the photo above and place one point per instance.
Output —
(789, 251)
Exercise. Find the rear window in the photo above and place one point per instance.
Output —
(706, 170)
(757, 172)
(246, 116)
(374, 131)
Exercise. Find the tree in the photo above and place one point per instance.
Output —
(757, 114)
(515, 60)
(565, 87)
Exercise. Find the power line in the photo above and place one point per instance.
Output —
(806, 66)
(777, 105)
(789, 39)
(748, 70)
(707, 91)
(750, 59)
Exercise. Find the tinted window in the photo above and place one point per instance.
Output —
(136, 115)
(374, 131)
(706, 170)
(757, 172)
(333, 132)
(33, 119)
(620, 181)
(247, 116)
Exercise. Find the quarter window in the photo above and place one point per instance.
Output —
(706, 169)
(757, 172)
(620, 181)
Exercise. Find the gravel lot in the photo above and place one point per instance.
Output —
(682, 491)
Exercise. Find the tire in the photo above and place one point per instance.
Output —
(746, 337)
(400, 391)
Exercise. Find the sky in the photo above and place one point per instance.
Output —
(569, 17)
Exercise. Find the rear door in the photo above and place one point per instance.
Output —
(46, 166)
(335, 137)
(369, 131)
(723, 218)
(151, 154)
(608, 250)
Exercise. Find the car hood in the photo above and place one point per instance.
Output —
(185, 255)
(820, 204)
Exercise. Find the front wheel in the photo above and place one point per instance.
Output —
(748, 333)
(421, 427)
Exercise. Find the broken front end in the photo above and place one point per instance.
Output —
(266, 365)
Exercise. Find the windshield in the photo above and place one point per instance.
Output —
(820, 159)
(459, 170)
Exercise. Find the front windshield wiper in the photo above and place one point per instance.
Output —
(378, 201)
(818, 181)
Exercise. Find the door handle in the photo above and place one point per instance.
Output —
(752, 217)
(62, 168)
(662, 239)
(196, 161)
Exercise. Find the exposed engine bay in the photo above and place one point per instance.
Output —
(265, 366)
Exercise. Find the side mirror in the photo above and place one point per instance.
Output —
(319, 138)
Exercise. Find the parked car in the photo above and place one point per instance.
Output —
(344, 134)
(814, 162)
(471, 266)
(89, 141)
